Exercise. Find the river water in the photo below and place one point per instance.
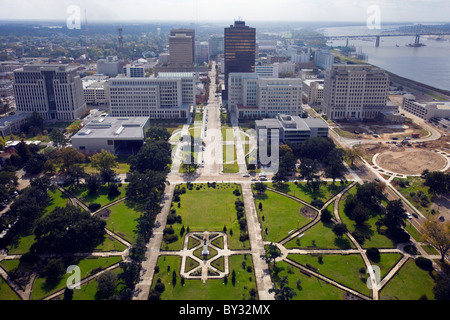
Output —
(429, 64)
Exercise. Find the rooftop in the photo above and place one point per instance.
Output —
(120, 128)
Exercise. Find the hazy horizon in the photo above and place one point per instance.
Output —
(348, 11)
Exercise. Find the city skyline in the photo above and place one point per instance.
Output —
(250, 10)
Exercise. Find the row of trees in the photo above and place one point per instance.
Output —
(147, 180)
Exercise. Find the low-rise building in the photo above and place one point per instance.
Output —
(426, 110)
(291, 129)
(12, 123)
(120, 136)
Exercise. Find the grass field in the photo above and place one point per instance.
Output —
(101, 197)
(320, 236)
(410, 283)
(279, 216)
(376, 240)
(300, 190)
(41, 288)
(344, 269)
(213, 289)
(309, 288)
(208, 209)
(6, 293)
(122, 220)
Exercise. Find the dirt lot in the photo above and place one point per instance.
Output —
(411, 161)
(367, 130)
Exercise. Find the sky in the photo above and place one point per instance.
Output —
(229, 10)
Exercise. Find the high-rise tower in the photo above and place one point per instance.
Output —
(240, 50)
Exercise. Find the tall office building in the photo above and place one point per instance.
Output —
(252, 96)
(240, 50)
(54, 91)
(182, 46)
(215, 46)
(132, 71)
(356, 92)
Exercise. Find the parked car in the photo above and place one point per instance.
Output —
(246, 175)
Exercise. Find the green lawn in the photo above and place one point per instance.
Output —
(6, 292)
(410, 283)
(122, 220)
(415, 185)
(213, 289)
(376, 240)
(344, 269)
(88, 291)
(302, 191)
(101, 197)
(41, 288)
(280, 215)
(309, 288)
(320, 236)
(230, 164)
(208, 209)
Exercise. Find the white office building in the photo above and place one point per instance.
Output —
(120, 136)
(111, 66)
(169, 96)
(132, 71)
(54, 91)
(312, 91)
(291, 129)
(251, 96)
(356, 92)
(426, 110)
(94, 90)
(324, 59)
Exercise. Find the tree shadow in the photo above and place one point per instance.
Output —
(342, 243)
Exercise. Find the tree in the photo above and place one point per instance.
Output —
(74, 174)
(23, 150)
(104, 160)
(271, 254)
(154, 155)
(2, 143)
(69, 156)
(68, 230)
(352, 154)
(442, 288)
(336, 168)
(158, 133)
(308, 170)
(395, 216)
(36, 164)
(53, 269)
(93, 182)
(106, 284)
(280, 177)
(260, 187)
(283, 292)
(58, 138)
(437, 234)
(340, 229)
(436, 183)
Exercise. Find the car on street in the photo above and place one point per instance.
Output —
(408, 215)
(246, 175)
(254, 179)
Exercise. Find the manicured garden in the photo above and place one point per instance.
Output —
(242, 287)
(206, 207)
